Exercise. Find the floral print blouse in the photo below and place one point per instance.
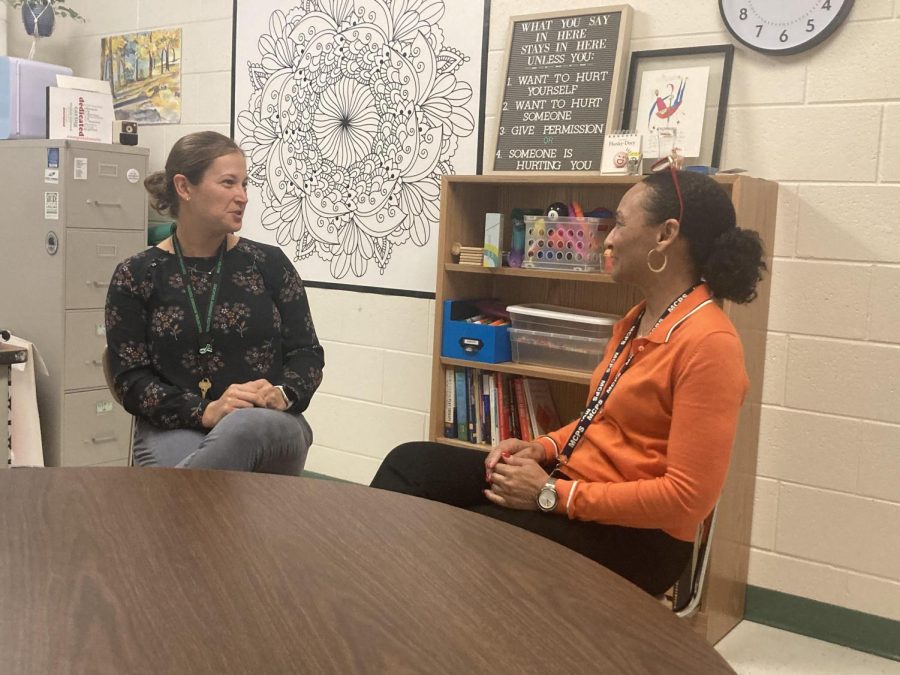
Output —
(261, 328)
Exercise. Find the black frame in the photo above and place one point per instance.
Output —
(727, 52)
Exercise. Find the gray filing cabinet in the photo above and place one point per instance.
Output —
(71, 211)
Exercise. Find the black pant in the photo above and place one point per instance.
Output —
(650, 559)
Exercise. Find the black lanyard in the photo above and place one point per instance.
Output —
(603, 391)
(204, 338)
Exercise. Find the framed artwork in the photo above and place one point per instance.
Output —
(350, 113)
(144, 71)
(679, 97)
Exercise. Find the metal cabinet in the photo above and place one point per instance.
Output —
(72, 211)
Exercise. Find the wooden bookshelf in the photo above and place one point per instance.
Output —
(465, 200)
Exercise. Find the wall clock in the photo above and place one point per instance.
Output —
(783, 26)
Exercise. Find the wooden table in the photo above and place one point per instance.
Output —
(127, 570)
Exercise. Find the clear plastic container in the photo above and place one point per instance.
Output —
(566, 243)
(563, 320)
(556, 350)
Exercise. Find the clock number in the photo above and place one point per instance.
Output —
(827, 5)
(758, 29)
(743, 13)
(810, 26)
(783, 37)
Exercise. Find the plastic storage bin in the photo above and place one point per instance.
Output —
(565, 243)
(23, 96)
(559, 337)
(472, 341)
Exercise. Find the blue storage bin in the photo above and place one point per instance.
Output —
(472, 341)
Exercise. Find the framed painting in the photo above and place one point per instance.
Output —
(144, 71)
(679, 97)
(350, 113)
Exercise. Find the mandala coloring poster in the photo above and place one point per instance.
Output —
(350, 111)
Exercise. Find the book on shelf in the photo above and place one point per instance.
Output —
(485, 408)
(473, 405)
(495, 418)
(462, 410)
(449, 403)
(503, 406)
(544, 416)
(522, 409)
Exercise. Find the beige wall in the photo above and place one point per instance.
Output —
(826, 125)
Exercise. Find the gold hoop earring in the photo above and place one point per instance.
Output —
(665, 261)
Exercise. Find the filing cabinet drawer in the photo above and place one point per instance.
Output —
(105, 190)
(85, 341)
(91, 259)
(95, 429)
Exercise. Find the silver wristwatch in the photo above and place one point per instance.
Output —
(548, 497)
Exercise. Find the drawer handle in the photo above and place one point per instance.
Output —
(95, 202)
(93, 362)
(103, 438)
(98, 284)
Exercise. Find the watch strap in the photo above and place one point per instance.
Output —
(288, 399)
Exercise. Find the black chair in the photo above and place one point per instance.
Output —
(110, 383)
(685, 596)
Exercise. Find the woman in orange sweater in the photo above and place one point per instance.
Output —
(628, 483)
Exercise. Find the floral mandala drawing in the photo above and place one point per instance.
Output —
(355, 114)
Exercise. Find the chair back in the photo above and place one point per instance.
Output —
(111, 385)
(688, 590)
(107, 373)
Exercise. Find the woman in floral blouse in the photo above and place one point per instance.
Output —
(210, 338)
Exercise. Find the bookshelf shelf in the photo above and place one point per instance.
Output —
(530, 273)
(524, 369)
(462, 444)
(465, 200)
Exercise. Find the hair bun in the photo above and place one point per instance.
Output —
(157, 185)
(735, 265)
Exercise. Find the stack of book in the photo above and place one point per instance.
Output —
(486, 407)
(471, 255)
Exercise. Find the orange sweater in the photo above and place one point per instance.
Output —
(656, 455)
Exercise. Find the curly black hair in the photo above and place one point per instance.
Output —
(729, 259)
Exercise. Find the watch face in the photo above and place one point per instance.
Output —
(547, 499)
(783, 26)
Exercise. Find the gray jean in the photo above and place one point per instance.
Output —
(249, 439)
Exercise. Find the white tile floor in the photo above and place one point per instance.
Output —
(754, 649)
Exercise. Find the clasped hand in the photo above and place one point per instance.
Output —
(256, 394)
(514, 474)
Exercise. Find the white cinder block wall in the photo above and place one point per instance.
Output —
(826, 125)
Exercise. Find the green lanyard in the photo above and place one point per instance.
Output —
(204, 339)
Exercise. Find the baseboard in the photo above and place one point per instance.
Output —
(857, 630)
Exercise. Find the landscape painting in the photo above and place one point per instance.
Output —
(144, 70)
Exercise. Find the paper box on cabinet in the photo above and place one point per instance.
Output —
(81, 111)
